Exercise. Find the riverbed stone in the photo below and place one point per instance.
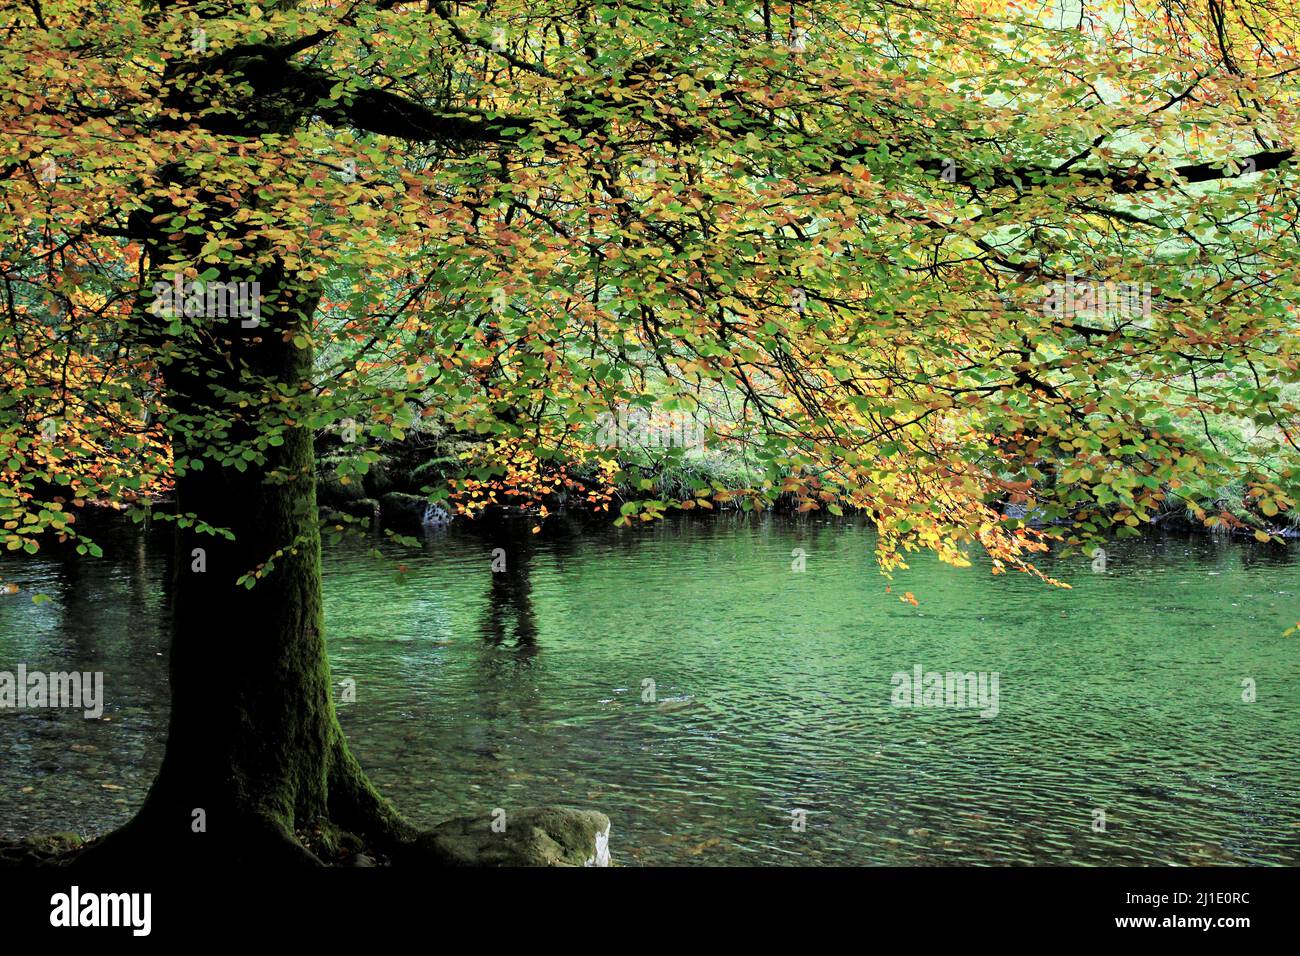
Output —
(367, 509)
(334, 493)
(535, 836)
(402, 512)
(42, 850)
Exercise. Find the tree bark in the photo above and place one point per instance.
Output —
(256, 765)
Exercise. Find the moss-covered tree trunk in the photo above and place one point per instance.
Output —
(256, 765)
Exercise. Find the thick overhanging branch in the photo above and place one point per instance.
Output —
(1124, 181)
(387, 114)
(1138, 180)
(278, 84)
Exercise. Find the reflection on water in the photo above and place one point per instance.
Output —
(479, 689)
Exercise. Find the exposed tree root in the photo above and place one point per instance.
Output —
(361, 828)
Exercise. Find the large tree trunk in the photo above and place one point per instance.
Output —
(256, 764)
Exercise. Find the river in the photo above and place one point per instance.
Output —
(724, 708)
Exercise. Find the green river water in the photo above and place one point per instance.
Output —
(772, 694)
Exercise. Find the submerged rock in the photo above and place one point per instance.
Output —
(536, 836)
(671, 704)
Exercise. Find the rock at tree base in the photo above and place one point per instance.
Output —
(537, 836)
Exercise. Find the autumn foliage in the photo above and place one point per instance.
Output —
(826, 230)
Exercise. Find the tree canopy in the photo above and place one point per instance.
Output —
(914, 258)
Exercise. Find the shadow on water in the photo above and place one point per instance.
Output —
(508, 615)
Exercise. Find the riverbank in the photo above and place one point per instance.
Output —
(531, 837)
